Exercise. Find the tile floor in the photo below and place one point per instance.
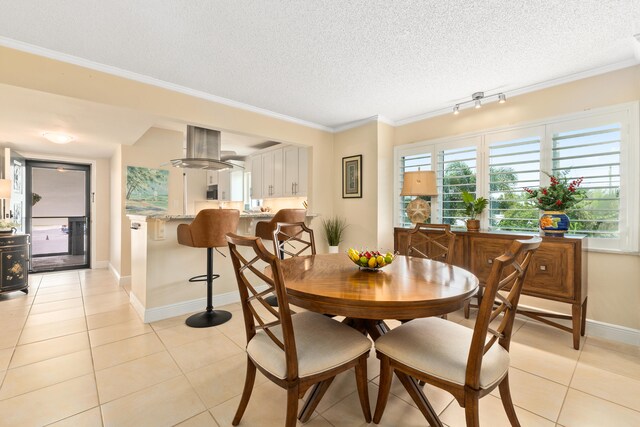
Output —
(74, 353)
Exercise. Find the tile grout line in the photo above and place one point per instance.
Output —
(93, 366)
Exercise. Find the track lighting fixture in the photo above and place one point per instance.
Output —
(477, 99)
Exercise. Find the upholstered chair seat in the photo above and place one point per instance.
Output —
(440, 348)
(314, 335)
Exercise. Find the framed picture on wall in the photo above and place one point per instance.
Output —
(352, 177)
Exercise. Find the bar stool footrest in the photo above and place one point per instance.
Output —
(203, 278)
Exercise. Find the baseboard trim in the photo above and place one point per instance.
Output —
(122, 280)
(159, 313)
(596, 329)
(612, 332)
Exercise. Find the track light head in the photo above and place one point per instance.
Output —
(456, 109)
(501, 98)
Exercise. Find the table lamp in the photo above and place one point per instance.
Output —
(419, 183)
(5, 193)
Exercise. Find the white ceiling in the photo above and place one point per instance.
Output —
(330, 62)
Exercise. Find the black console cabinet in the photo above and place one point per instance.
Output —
(14, 263)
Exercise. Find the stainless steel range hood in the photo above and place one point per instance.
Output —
(203, 150)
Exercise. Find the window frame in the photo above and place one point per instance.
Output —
(627, 114)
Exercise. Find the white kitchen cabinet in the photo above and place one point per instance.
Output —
(255, 192)
(230, 185)
(272, 174)
(295, 173)
(212, 177)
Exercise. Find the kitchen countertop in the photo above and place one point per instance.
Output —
(244, 214)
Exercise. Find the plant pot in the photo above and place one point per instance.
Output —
(473, 225)
(334, 249)
(554, 223)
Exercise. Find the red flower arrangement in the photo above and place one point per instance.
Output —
(559, 196)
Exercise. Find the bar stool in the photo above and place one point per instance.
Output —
(264, 230)
(208, 230)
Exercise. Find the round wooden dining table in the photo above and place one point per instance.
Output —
(408, 288)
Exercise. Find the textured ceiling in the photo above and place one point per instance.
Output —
(334, 62)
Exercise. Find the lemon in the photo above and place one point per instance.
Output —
(380, 259)
(372, 262)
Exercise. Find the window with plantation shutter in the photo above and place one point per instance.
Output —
(411, 163)
(601, 146)
(514, 163)
(456, 173)
(592, 153)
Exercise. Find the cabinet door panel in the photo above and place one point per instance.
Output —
(290, 170)
(267, 174)
(224, 186)
(14, 268)
(551, 272)
(482, 252)
(256, 177)
(277, 173)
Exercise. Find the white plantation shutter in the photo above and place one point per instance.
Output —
(592, 153)
(457, 169)
(514, 163)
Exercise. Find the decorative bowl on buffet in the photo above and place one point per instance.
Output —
(370, 260)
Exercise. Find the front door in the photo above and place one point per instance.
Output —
(58, 215)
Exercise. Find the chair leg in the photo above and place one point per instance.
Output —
(386, 374)
(249, 380)
(292, 407)
(471, 410)
(505, 396)
(363, 390)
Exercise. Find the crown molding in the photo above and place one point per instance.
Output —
(63, 57)
(532, 88)
(358, 123)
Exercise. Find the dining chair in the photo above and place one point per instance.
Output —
(293, 239)
(295, 351)
(432, 241)
(465, 362)
(264, 229)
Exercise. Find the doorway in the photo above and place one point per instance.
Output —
(58, 216)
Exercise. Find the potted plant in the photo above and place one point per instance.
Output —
(554, 200)
(334, 231)
(473, 207)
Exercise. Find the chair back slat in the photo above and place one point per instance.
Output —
(258, 314)
(432, 241)
(293, 239)
(513, 265)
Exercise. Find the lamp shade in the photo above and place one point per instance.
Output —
(5, 188)
(419, 183)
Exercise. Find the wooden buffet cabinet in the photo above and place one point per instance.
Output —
(558, 271)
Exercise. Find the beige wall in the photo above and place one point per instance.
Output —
(614, 294)
(361, 214)
(154, 148)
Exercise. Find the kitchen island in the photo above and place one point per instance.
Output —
(161, 268)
